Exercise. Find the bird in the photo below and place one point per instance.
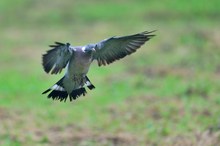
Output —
(77, 61)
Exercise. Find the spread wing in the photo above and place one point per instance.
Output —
(57, 58)
(115, 48)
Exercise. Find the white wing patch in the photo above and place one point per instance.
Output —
(57, 87)
(83, 48)
(88, 83)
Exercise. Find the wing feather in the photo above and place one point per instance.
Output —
(57, 58)
(115, 48)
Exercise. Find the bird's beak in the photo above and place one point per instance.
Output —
(93, 49)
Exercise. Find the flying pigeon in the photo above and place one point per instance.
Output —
(77, 60)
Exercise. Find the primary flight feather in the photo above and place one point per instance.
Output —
(77, 60)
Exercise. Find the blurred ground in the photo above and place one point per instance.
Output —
(168, 93)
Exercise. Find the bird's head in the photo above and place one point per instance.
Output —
(89, 48)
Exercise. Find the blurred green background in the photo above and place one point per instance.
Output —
(168, 93)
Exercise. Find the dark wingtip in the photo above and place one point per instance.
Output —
(46, 64)
(59, 43)
(52, 46)
(149, 33)
(68, 44)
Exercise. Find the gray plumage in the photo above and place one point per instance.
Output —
(77, 61)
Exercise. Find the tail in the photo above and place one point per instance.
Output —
(59, 93)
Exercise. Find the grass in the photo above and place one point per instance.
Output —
(167, 93)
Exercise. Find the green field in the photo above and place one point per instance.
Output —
(166, 94)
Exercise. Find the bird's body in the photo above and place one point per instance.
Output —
(77, 61)
(77, 68)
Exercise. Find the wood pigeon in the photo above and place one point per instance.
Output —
(77, 60)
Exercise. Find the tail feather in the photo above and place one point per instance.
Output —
(59, 93)
(76, 93)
